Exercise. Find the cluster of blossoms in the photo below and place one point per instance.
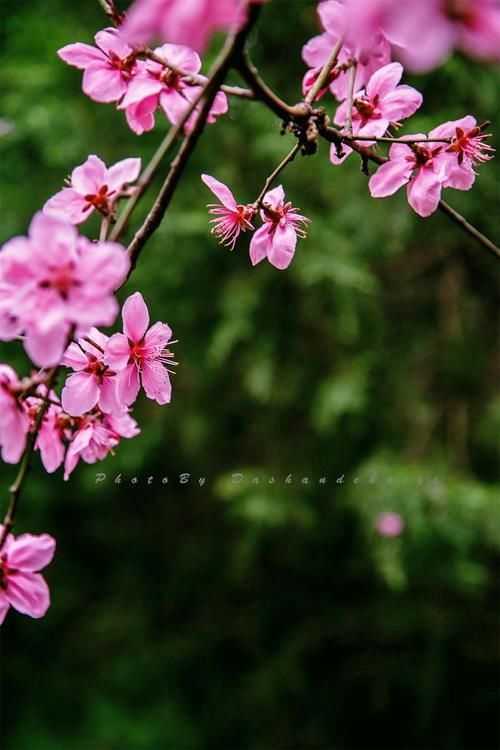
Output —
(57, 287)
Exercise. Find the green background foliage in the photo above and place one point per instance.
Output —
(268, 615)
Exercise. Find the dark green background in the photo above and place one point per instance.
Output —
(269, 616)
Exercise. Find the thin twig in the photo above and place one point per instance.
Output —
(325, 71)
(281, 166)
(389, 139)
(263, 93)
(350, 96)
(93, 343)
(104, 228)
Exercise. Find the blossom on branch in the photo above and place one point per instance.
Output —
(466, 150)
(230, 218)
(276, 239)
(93, 187)
(140, 354)
(157, 85)
(55, 279)
(108, 67)
(383, 103)
(21, 585)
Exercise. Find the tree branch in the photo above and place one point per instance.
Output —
(325, 71)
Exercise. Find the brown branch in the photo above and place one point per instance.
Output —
(231, 50)
(350, 96)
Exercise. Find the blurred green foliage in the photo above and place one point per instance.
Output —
(236, 614)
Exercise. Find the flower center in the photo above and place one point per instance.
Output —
(61, 279)
(4, 571)
(460, 11)
(100, 201)
(365, 106)
(171, 79)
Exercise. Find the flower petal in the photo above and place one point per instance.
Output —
(80, 55)
(89, 177)
(128, 385)
(260, 244)
(80, 393)
(221, 191)
(424, 192)
(30, 553)
(156, 382)
(385, 79)
(282, 250)
(117, 352)
(135, 317)
(70, 204)
(389, 177)
(28, 593)
(123, 173)
(103, 83)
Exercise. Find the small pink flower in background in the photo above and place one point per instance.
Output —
(93, 187)
(276, 239)
(108, 67)
(54, 430)
(231, 218)
(156, 85)
(466, 151)
(140, 353)
(420, 167)
(382, 104)
(21, 585)
(95, 436)
(54, 279)
(389, 524)
(182, 22)
(14, 417)
(93, 381)
(372, 55)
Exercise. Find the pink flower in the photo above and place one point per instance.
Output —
(230, 218)
(21, 585)
(54, 431)
(425, 33)
(418, 166)
(181, 22)
(157, 85)
(277, 237)
(466, 150)
(14, 417)
(370, 56)
(389, 524)
(95, 436)
(93, 187)
(138, 354)
(93, 381)
(108, 68)
(382, 104)
(54, 279)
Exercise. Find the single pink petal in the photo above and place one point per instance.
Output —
(4, 607)
(389, 177)
(385, 79)
(282, 247)
(123, 173)
(275, 197)
(28, 593)
(54, 237)
(180, 56)
(80, 55)
(174, 105)
(220, 106)
(80, 393)
(89, 177)
(140, 116)
(141, 87)
(221, 191)
(31, 553)
(158, 336)
(112, 43)
(74, 357)
(401, 103)
(107, 397)
(424, 192)
(117, 352)
(333, 154)
(13, 432)
(260, 244)
(316, 51)
(128, 385)
(156, 382)
(135, 317)
(70, 204)
(46, 349)
(458, 176)
(51, 448)
(103, 83)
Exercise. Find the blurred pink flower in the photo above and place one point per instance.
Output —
(276, 239)
(389, 524)
(140, 353)
(21, 585)
(54, 279)
(189, 22)
(108, 67)
(230, 218)
(371, 55)
(93, 381)
(382, 104)
(156, 85)
(14, 417)
(93, 187)
(96, 435)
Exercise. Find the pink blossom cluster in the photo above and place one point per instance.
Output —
(114, 72)
(275, 239)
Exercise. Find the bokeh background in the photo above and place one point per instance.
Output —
(245, 615)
